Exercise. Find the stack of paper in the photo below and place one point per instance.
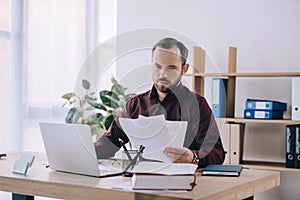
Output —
(162, 176)
(155, 133)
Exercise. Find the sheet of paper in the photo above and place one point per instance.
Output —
(155, 133)
(165, 168)
(126, 186)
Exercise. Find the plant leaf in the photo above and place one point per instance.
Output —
(128, 96)
(90, 98)
(73, 115)
(97, 105)
(68, 96)
(109, 119)
(86, 84)
(95, 119)
(97, 130)
(117, 88)
(99, 117)
(109, 98)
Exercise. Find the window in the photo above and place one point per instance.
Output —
(55, 49)
(5, 72)
(56, 39)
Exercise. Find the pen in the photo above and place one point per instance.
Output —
(141, 149)
(125, 150)
(132, 162)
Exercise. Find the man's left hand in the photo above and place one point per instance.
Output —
(179, 155)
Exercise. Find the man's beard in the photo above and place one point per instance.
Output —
(164, 89)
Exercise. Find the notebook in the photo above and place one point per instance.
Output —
(222, 170)
(70, 148)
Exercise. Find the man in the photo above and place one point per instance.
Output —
(202, 144)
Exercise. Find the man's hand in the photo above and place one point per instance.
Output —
(179, 155)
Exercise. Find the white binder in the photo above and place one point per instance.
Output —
(225, 137)
(237, 137)
(296, 98)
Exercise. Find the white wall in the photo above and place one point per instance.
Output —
(266, 34)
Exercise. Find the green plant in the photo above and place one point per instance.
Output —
(98, 113)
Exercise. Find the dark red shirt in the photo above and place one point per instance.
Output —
(180, 104)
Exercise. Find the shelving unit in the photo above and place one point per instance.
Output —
(269, 166)
(198, 75)
(265, 121)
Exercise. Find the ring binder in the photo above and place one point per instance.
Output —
(219, 96)
(297, 146)
(295, 99)
(290, 146)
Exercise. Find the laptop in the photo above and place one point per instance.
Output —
(70, 148)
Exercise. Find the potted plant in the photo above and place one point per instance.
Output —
(98, 113)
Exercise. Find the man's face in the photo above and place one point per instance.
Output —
(167, 68)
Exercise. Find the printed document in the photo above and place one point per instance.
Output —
(155, 133)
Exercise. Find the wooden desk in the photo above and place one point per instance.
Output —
(42, 181)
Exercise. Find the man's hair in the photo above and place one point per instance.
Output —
(168, 43)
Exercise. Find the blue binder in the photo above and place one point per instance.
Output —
(219, 95)
(263, 114)
(260, 104)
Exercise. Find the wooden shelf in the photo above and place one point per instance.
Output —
(266, 121)
(268, 166)
(268, 74)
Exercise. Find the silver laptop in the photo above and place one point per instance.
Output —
(70, 148)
